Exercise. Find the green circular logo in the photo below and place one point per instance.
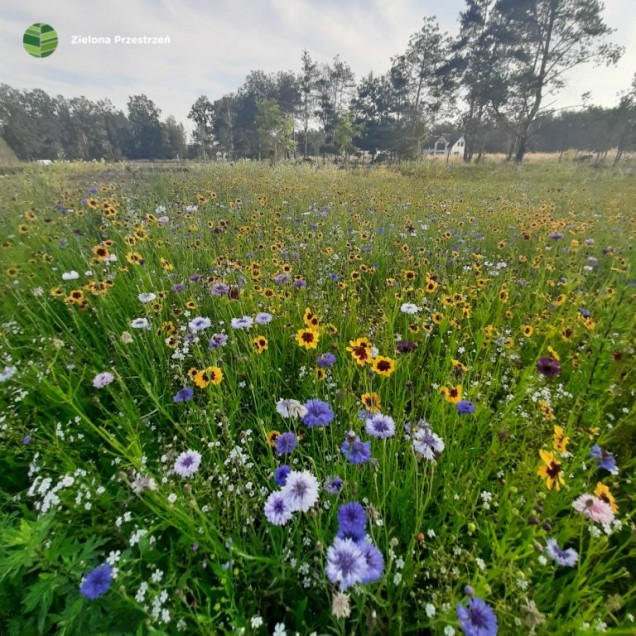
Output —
(40, 40)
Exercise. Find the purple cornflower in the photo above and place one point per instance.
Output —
(584, 312)
(356, 451)
(199, 324)
(351, 521)
(477, 619)
(217, 341)
(300, 490)
(194, 278)
(97, 582)
(280, 474)
(375, 562)
(427, 443)
(549, 367)
(567, 558)
(319, 413)
(183, 395)
(300, 283)
(187, 463)
(405, 346)
(263, 318)
(179, 287)
(556, 236)
(380, 426)
(333, 485)
(285, 443)
(605, 459)
(277, 510)
(280, 279)
(242, 323)
(26, 439)
(465, 407)
(220, 289)
(326, 360)
(333, 277)
(346, 564)
(102, 379)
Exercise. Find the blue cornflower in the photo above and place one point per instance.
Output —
(356, 451)
(286, 443)
(319, 413)
(375, 562)
(280, 474)
(183, 395)
(217, 341)
(380, 426)
(97, 582)
(465, 407)
(351, 521)
(263, 318)
(346, 564)
(333, 485)
(565, 557)
(605, 459)
(477, 619)
(326, 360)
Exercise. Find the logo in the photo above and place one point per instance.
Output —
(40, 40)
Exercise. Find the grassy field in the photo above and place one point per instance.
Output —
(300, 400)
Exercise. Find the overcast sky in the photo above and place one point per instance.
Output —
(215, 43)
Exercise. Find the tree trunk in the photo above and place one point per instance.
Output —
(521, 148)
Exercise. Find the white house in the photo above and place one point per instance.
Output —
(457, 148)
(444, 146)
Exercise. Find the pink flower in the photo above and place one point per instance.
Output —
(594, 508)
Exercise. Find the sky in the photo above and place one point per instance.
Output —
(215, 43)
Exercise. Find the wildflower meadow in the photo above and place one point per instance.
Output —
(242, 399)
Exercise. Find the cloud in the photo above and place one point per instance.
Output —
(215, 44)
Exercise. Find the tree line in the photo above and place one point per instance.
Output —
(493, 82)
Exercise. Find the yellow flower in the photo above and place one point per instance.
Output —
(547, 411)
(211, 375)
(371, 402)
(527, 330)
(553, 353)
(550, 470)
(360, 349)
(272, 436)
(307, 338)
(452, 394)
(310, 319)
(458, 365)
(383, 366)
(560, 440)
(603, 492)
(260, 343)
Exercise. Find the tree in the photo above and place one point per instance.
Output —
(202, 114)
(145, 127)
(627, 118)
(175, 140)
(335, 90)
(344, 134)
(275, 129)
(308, 81)
(556, 36)
(476, 66)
